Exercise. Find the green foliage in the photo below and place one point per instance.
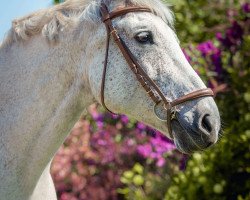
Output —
(223, 172)
(58, 1)
(142, 183)
(197, 20)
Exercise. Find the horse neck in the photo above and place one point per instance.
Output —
(44, 90)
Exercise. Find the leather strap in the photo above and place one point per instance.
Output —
(207, 92)
(146, 82)
(123, 11)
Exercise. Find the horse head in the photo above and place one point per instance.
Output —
(151, 40)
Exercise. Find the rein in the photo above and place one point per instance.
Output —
(146, 82)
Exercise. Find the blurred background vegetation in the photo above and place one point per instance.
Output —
(113, 157)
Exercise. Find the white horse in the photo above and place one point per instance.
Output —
(51, 66)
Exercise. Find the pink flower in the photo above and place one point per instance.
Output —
(145, 150)
(160, 162)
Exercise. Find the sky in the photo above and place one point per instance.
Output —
(11, 9)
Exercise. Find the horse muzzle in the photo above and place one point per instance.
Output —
(196, 128)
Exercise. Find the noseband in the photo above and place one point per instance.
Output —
(146, 82)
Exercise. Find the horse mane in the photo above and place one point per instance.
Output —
(52, 20)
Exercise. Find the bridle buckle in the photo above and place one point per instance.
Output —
(173, 113)
(171, 109)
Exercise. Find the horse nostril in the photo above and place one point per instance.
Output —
(206, 124)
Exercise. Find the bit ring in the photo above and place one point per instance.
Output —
(157, 115)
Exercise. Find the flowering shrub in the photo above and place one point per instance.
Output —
(101, 149)
(197, 20)
(223, 173)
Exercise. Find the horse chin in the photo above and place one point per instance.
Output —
(183, 139)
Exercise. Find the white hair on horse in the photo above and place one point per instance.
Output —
(58, 18)
(46, 87)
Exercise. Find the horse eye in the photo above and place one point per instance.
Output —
(144, 38)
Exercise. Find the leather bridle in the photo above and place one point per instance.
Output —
(146, 82)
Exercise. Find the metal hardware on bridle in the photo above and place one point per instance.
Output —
(146, 82)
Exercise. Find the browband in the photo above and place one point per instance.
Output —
(122, 11)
